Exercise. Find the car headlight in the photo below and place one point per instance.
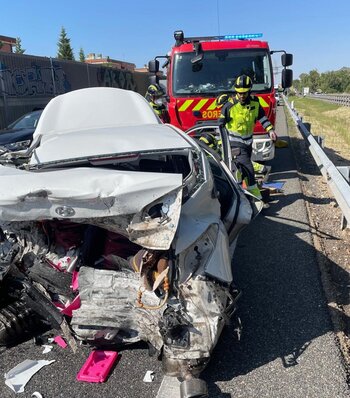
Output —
(259, 146)
(17, 146)
(268, 144)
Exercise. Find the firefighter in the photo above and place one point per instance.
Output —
(155, 97)
(211, 141)
(239, 118)
(259, 168)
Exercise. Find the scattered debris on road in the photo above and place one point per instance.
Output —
(18, 377)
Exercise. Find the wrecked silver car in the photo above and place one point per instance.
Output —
(116, 228)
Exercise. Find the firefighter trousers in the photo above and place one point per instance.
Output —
(242, 158)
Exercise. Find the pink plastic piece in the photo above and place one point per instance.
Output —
(59, 340)
(58, 305)
(97, 366)
(74, 305)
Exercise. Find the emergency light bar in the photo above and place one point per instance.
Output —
(180, 39)
(242, 36)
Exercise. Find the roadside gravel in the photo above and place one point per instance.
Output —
(332, 243)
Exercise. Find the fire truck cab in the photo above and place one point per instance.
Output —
(199, 69)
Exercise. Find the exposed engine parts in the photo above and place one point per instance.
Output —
(17, 321)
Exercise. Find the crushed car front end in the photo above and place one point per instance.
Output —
(119, 227)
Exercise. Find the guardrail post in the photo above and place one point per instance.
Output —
(345, 172)
(320, 140)
(307, 126)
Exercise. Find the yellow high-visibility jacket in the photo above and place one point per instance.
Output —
(239, 119)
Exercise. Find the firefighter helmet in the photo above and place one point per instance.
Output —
(243, 84)
(155, 90)
(209, 139)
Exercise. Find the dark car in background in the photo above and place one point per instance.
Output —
(19, 134)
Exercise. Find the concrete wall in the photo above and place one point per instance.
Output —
(28, 82)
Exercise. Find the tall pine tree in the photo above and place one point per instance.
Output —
(18, 47)
(65, 50)
(81, 55)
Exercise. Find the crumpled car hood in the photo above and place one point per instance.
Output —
(113, 199)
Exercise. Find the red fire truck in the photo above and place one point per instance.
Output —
(198, 69)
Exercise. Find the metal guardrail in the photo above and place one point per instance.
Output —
(337, 179)
(339, 99)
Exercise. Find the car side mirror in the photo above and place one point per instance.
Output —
(287, 59)
(153, 66)
(287, 78)
(154, 79)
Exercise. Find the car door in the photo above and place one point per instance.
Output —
(236, 209)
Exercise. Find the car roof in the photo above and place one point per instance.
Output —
(100, 121)
(94, 107)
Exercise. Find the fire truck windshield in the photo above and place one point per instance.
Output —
(217, 71)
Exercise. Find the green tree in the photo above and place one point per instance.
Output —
(344, 75)
(331, 82)
(65, 50)
(327, 82)
(18, 47)
(296, 85)
(314, 80)
(81, 55)
(304, 80)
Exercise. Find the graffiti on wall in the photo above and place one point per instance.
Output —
(34, 80)
(108, 77)
(29, 80)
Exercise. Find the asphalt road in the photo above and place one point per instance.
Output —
(287, 348)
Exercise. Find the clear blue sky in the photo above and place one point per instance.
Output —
(316, 32)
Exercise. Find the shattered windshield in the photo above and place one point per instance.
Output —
(217, 71)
